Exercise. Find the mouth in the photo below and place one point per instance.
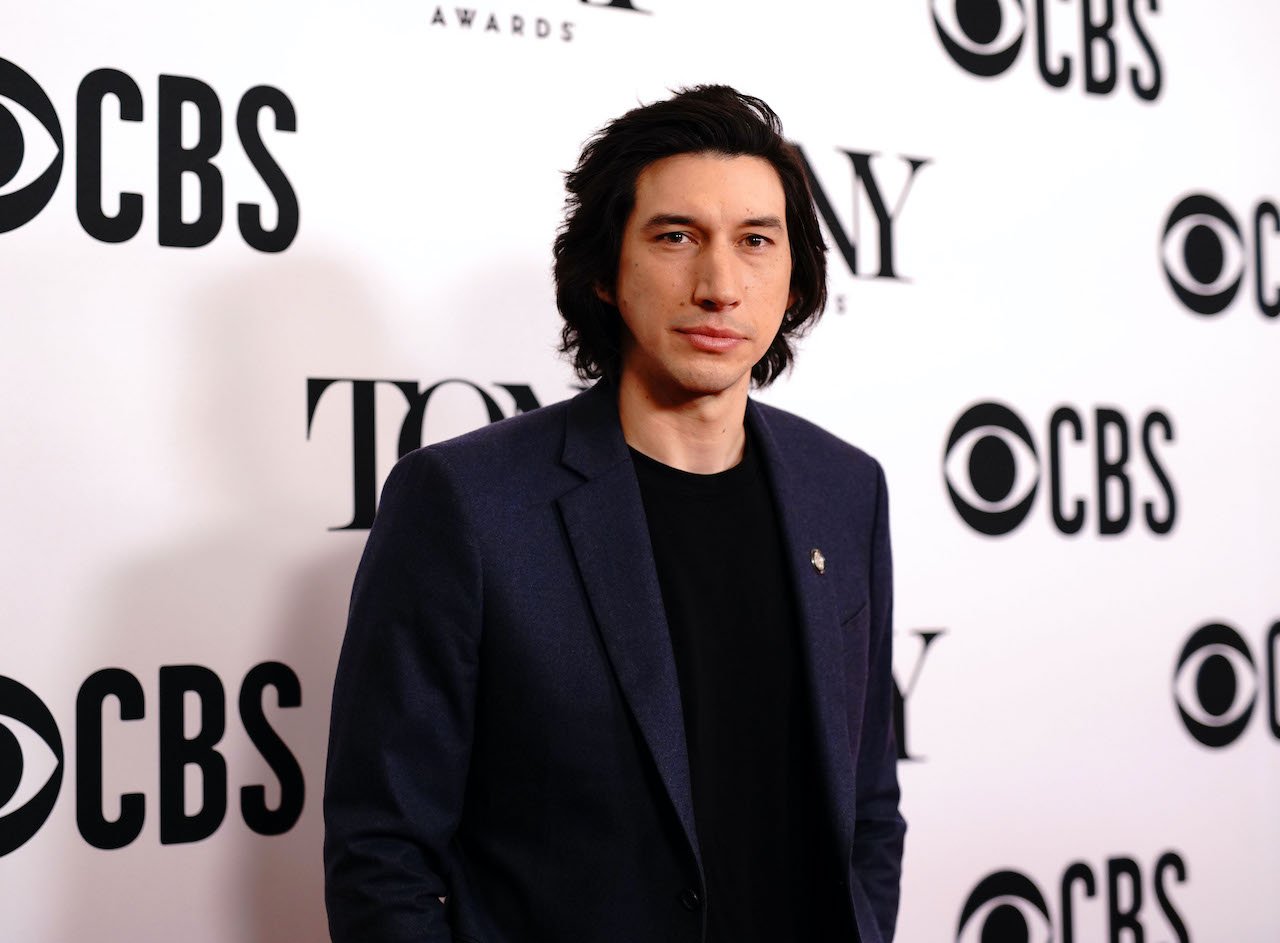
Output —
(711, 339)
(706, 330)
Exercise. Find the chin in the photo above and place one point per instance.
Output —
(711, 380)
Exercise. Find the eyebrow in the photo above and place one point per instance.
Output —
(677, 219)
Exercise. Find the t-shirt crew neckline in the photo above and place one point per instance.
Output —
(678, 481)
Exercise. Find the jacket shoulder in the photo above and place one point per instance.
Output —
(492, 474)
(499, 448)
(799, 436)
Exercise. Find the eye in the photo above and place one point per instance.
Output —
(30, 764)
(983, 36)
(1215, 685)
(1006, 907)
(674, 238)
(991, 468)
(30, 147)
(1203, 254)
(757, 241)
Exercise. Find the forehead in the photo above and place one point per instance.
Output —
(712, 183)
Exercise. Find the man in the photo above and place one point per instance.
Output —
(619, 669)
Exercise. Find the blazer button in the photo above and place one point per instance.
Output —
(690, 899)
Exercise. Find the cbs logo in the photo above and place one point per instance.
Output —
(31, 148)
(32, 151)
(984, 37)
(190, 719)
(1009, 907)
(1205, 258)
(31, 764)
(993, 472)
(1215, 684)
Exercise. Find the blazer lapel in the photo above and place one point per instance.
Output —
(800, 514)
(606, 525)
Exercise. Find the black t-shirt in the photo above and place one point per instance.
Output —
(731, 613)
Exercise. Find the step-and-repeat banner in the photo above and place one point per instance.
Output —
(250, 253)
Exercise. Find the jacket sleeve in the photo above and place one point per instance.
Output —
(403, 714)
(880, 829)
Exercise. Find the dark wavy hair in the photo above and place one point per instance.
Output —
(713, 119)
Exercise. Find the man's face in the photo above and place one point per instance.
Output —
(704, 274)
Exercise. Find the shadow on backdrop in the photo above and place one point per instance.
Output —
(250, 575)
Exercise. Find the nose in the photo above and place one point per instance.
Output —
(718, 285)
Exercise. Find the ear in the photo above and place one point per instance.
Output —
(605, 295)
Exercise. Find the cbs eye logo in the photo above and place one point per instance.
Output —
(1205, 259)
(984, 37)
(30, 148)
(191, 199)
(1215, 684)
(31, 764)
(991, 469)
(1007, 907)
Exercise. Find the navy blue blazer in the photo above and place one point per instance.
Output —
(507, 760)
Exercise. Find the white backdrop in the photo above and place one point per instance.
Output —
(170, 498)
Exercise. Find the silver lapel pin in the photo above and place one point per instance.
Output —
(818, 560)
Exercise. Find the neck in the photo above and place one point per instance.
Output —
(701, 434)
